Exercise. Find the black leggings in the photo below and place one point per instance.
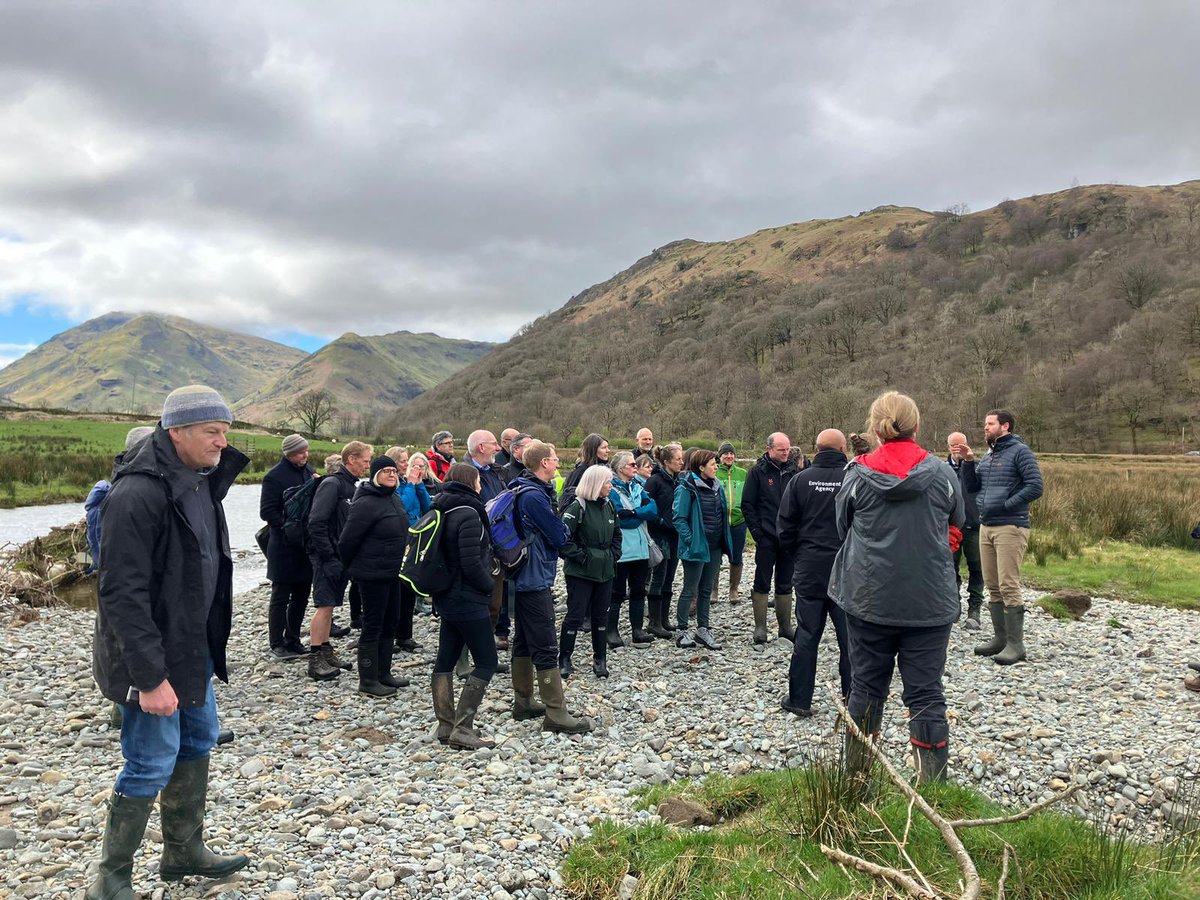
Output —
(474, 634)
(285, 614)
(587, 602)
(380, 609)
(408, 602)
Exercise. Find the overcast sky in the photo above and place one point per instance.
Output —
(304, 169)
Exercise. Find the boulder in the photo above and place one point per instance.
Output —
(678, 811)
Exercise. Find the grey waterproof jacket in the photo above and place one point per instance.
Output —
(895, 566)
(1008, 480)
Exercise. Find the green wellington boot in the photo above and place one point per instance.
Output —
(182, 807)
(127, 817)
(999, 635)
(1014, 627)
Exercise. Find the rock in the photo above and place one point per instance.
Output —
(678, 811)
(252, 767)
(627, 888)
(9, 838)
(1076, 602)
(1116, 770)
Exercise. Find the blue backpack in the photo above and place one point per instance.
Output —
(510, 546)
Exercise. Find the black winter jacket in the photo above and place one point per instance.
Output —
(327, 517)
(467, 549)
(371, 543)
(285, 564)
(512, 471)
(807, 522)
(970, 497)
(1007, 479)
(567, 494)
(765, 484)
(661, 487)
(154, 622)
(491, 480)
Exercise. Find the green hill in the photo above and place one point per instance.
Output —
(365, 374)
(122, 362)
(1080, 310)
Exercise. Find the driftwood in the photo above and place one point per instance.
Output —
(33, 571)
(971, 884)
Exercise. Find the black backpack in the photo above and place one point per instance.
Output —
(297, 503)
(425, 565)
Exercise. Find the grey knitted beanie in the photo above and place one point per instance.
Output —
(294, 443)
(137, 435)
(192, 405)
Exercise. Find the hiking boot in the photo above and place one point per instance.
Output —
(181, 808)
(759, 602)
(284, 653)
(408, 645)
(368, 672)
(1014, 627)
(319, 668)
(442, 687)
(656, 604)
(705, 638)
(334, 660)
(783, 617)
(972, 623)
(735, 584)
(566, 647)
(464, 736)
(685, 638)
(787, 705)
(386, 678)
(558, 720)
(999, 636)
(524, 706)
(296, 647)
(127, 817)
(338, 631)
(1192, 682)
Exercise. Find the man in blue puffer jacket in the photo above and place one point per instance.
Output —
(1007, 480)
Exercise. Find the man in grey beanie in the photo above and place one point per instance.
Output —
(166, 589)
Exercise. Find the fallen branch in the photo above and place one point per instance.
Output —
(893, 876)
(1021, 816)
(1003, 875)
(953, 842)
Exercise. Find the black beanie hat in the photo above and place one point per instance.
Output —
(379, 463)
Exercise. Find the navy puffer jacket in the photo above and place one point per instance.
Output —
(1007, 480)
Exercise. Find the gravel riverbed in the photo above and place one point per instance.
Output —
(334, 794)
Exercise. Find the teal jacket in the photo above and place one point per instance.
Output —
(689, 518)
(634, 507)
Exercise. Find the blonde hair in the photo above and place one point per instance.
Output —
(893, 416)
(592, 482)
(394, 452)
(413, 459)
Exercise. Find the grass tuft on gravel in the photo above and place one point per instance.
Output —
(766, 845)
(1157, 576)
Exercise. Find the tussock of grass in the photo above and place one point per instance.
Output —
(1159, 576)
(1055, 607)
(767, 847)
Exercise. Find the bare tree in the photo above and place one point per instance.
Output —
(1140, 283)
(313, 409)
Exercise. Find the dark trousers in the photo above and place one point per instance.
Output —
(630, 582)
(503, 623)
(355, 602)
(408, 602)
(476, 636)
(738, 533)
(587, 602)
(919, 653)
(285, 614)
(769, 559)
(970, 550)
(662, 579)
(534, 633)
(810, 624)
(380, 609)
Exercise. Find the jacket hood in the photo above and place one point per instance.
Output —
(895, 488)
(767, 462)
(454, 495)
(96, 495)
(156, 457)
(895, 457)
(369, 487)
(829, 459)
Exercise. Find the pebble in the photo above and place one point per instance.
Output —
(380, 810)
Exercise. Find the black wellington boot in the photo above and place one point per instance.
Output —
(931, 749)
(123, 833)
(368, 672)
(182, 808)
(566, 647)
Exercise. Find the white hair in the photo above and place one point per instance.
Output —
(592, 481)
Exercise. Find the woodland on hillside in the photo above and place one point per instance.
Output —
(1080, 311)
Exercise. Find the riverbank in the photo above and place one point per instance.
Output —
(336, 795)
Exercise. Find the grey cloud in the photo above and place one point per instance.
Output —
(322, 165)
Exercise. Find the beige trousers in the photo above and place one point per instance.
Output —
(1001, 549)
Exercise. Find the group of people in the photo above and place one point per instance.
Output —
(869, 535)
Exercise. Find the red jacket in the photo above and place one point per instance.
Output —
(438, 464)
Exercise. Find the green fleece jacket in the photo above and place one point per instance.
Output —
(733, 479)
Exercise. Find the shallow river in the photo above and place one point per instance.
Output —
(241, 510)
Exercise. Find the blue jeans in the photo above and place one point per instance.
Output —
(153, 744)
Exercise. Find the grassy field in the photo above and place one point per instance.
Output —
(771, 825)
(58, 460)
